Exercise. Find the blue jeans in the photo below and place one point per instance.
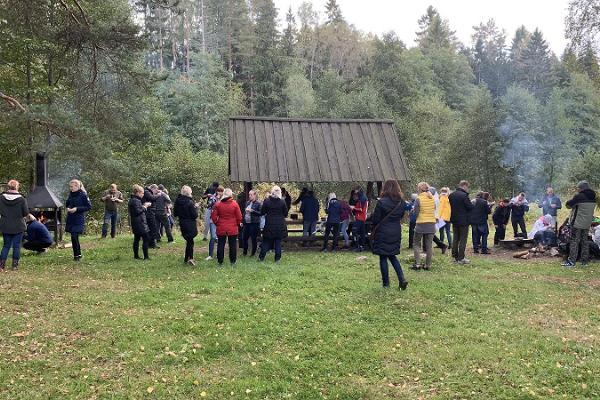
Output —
(383, 266)
(359, 233)
(447, 230)
(308, 228)
(213, 239)
(480, 236)
(207, 222)
(13, 241)
(110, 217)
(344, 231)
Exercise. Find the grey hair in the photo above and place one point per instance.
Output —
(186, 191)
(276, 191)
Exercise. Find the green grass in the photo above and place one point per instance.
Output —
(314, 326)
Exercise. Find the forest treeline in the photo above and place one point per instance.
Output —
(140, 91)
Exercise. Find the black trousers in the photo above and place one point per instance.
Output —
(76, 245)
(36, 246)
(189, 249)
(232, 239)
(250, 232)
(335, 229)
(519, 223)
(162, 221)
(411, 234)
(145, 244)
(152, 228)
(459, 243)
(268, 244)
(500, 234)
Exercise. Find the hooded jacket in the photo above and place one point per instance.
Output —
(582, 207)
(13, 210)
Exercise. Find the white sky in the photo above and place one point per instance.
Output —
(378, 16)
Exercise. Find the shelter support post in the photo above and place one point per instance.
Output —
(247, 189)
(379, 187)
(370, 190)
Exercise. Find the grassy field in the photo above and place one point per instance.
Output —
(314, 326)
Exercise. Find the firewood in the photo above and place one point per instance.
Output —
(525, 257)
(521, 254)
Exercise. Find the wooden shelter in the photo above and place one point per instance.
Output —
(314, 150)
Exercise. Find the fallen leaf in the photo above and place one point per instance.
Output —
(150, 389)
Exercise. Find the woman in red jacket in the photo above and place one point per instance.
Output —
(227, 216)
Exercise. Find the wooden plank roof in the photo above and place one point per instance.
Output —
(263, 149)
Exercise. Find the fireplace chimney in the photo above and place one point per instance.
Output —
(42, 200)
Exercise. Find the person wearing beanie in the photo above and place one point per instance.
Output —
(582, 207)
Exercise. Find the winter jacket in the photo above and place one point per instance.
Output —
(479, 213)
(274, 210)
(76, 221)
(345, 211)
(444, 211)
(227, 216)
(137, 216)
(501, 215)
(460, 206)
(13, 210)
(360, 209)
(254, 214)
(310, 209)
(547, 205)
(334, 211)
(425, 209)
(110, 205)
(37, 232)
(161, 204)
(151, 198)
(388, 234)
(186, 211)
(582, 207)
(518, 210)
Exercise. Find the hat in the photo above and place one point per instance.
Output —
(583, 185)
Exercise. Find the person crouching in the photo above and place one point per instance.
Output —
(37, 238)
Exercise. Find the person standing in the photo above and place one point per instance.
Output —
(425, 229)
(444, 214)
(460, 207)
(227, 217)
(210, 191)
(550, 204)
(387, 231)
(479, 222)
(412, 220)
(251, 222)
(111, 198)
(187, 211)
(139, 221)
(334, 218)
(77, 204)
(151, 194)
(345, 214)
(519, 206)
(285, 195)
(274, 209)
(500, 218)
(582, 207)
(37, 237)
(161, 209)
(359, 209)
(213, 200)
(13, 210)
(310, 214)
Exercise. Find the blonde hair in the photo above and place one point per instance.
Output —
(423, 186)
(78, 183)
(13, 184)
(227, 192)
(276, 191)
(137, 189)
(331, 196)
(445, 190)
(113, 186)
(186, 191)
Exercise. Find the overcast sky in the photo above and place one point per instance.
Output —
(378, 16)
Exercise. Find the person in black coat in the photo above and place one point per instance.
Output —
(151, 195)
(275, 210)
(479, 222)
(251, 222)
(139, 222)
(334, 218)
(77, 204)
(460, 207)
(13, 210)
(387, 231)
(519, 206)
(187, 212)
(500, 219)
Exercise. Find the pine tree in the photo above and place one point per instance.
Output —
(435, 32)
(589, 63)
(533, 67)
(489, 59)
(334, 13)
(289, 35)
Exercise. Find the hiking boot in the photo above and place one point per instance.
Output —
(485, 251)
(15, 265)
(2, 265)
(476, 251)
(568, 264)
(403, 285)
(444, 249)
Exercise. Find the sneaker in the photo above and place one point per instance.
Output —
(208, 258)
(486, 251)
(568, 264)
(415, 267)
(444, 249)
(464, 261)
(191, 263)
(403, 285)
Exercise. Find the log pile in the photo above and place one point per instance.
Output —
(536, 252)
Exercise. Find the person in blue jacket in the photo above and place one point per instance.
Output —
(334, 218)
(77, 204)
(37, 237)
(413, 219)
(310, 214)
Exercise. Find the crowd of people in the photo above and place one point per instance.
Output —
(450, 214)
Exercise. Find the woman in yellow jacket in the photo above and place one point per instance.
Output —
(425, 212)
(444, 214)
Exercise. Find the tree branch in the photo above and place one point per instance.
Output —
(12, 102)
